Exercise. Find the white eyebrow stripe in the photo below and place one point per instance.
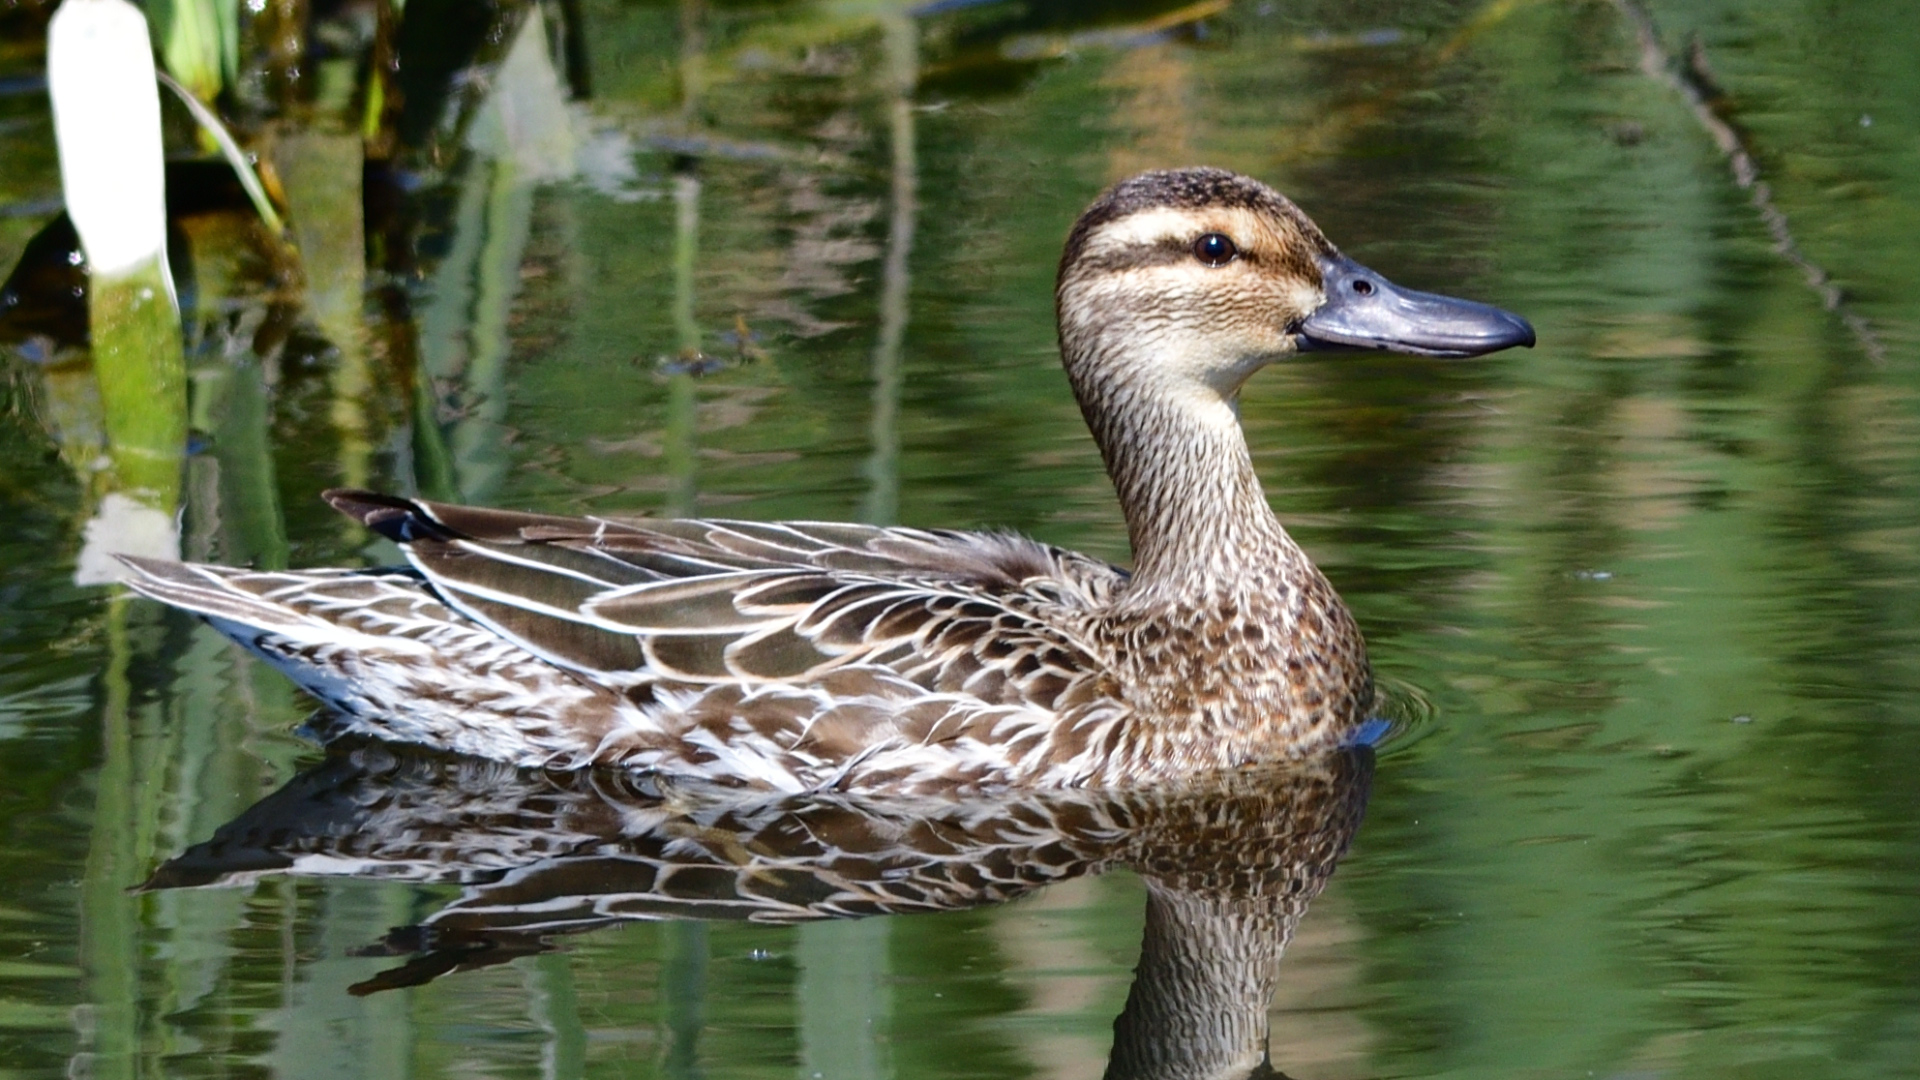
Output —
(1163, 223)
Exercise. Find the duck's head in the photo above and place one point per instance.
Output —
(1188, 281)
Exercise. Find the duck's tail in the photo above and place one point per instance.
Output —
(305, 606)
(207, 591)
(380, 649)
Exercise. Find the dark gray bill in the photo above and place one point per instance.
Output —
(1366, 311)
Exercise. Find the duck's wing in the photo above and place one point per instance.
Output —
(627, 602)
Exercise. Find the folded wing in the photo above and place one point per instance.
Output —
(636, 602)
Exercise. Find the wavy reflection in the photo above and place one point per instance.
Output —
(1230, 866)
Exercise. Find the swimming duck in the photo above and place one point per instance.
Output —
(804, 656)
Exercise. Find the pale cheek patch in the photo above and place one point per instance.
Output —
(1303, 298)
(1245, 298)
(1145, 300)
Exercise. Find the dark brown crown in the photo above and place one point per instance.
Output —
(1187, 189)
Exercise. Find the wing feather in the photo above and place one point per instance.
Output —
(708, 604)
(775, 654)
(578, 646)
(699, 658)
(630, 601)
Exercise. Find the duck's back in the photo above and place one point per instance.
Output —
(789, 655)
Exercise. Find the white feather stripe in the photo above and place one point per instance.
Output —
(672, 587)
(773, 540)
(455, 591)
(502, 554)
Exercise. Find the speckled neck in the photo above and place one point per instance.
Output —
(1196, 516)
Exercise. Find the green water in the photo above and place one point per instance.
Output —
(1659, 578)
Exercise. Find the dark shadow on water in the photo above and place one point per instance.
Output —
(1230, 866)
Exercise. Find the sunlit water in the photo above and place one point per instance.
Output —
(1647, 594)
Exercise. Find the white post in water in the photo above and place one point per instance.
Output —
(106, 120)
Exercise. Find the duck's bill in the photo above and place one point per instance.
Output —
(1366, 311)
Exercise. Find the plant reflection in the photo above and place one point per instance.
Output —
(1230, 866)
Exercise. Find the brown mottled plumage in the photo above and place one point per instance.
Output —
(809, 656)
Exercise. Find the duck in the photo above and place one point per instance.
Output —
(821, 657)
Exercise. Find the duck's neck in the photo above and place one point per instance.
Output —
(1227, 640)
(1196, 516)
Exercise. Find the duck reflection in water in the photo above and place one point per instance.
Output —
(1230, 864)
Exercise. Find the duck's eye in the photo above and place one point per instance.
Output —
(1215, 249)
